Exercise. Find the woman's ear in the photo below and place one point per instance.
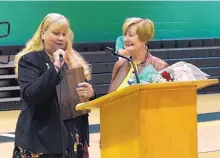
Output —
(42, 34)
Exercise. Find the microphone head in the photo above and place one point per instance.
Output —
(109, 50)
(61, 55)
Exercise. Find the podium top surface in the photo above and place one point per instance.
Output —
(199, 84)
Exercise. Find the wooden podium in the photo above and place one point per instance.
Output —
(149, 120)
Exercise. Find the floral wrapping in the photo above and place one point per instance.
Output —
(180, 71)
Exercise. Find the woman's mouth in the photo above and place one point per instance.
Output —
(60, 45)
(128, 44)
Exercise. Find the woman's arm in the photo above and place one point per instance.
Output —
(35, 86)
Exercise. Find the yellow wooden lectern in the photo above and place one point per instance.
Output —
(149, 120)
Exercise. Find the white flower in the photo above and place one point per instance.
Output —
(157, 78)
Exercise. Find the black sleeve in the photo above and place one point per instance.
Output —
(35, 86)
(93, 97)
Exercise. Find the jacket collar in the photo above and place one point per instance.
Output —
(46, 58)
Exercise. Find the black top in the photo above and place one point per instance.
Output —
(39, 128)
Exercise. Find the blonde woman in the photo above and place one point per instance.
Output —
(137, 33)
(39, 130)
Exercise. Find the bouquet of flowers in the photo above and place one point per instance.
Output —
(180, 71)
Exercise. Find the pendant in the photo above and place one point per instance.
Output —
(48, 66)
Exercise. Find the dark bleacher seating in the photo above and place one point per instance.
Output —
(182, 43)
(5, 50)
(168, 44)
(94, 57)
(9, 89)
(217, 41)
(208, 42)
(204, 53)
(160, 53)
(80, 47)
(155, 44)
(196, 43)
(92, 47)
(19, 48)
(107, 44)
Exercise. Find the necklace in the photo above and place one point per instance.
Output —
(50, 56)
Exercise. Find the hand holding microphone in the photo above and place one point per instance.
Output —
(58, 57)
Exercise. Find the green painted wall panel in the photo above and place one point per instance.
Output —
(102, 20)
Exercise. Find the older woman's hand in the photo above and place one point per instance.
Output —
(85, 90)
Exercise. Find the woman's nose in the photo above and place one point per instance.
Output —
(61, 37)
(125, 38)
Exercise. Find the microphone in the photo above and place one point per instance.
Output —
(61, 57)
(112, 51)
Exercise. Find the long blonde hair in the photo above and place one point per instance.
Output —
(72, 57)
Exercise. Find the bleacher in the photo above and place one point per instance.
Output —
(204, 53)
